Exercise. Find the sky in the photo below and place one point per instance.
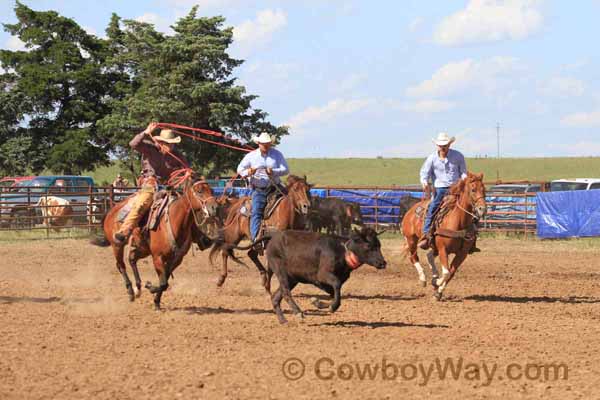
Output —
(357, 78)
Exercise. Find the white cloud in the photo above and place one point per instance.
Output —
(456, 76)
(563, 87)
(579, 149)
(203, 4)
(14, 43)
(490, 21)
(160, 23)
(415, 24)
(349, 82)
(328, 112)
(90, 30)
(427, 106)
(582, 119)
(254, 33)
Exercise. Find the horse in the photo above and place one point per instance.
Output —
(454, 234)
(237, 226)
(168, 243)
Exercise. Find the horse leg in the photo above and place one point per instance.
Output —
(431, 261)
(265, 280)
(163, 273)
(119, 251)
(439, 284)
(456, 262)
(133, 259)
(223, 275)
(414, 259)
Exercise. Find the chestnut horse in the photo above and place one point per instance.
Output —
(168, 243)
(455, 233)
(237, 226)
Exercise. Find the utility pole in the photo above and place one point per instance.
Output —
(498, 138)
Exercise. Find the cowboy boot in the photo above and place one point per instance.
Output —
(474, 248)
(425, 241)
(120, 238)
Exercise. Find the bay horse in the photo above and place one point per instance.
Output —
(237, 226)
(168, 243)
(454, 235)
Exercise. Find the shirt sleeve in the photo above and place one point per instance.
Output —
(426, 170)
(138, 143)
(462, 167)
(282, 168)
(242, 169)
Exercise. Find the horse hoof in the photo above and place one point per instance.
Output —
(131, 297)
(220, 281)
(423, 283)
(437, 296)
(137, 291)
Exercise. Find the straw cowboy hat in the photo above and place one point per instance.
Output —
(443, 139)
(263, 138)
(167, 135)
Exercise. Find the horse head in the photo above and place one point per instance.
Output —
(202, 198)
(299, 193)
(476, 191)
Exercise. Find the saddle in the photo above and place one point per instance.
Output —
(273, 200)
(162, 200)
(151, 219)
(438, 216)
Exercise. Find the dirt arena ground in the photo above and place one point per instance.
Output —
(68, 331)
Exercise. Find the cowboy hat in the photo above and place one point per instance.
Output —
(443, 139)
(167, 135)
(263, 138)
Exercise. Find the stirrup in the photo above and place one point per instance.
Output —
(119, 238)
(425, 242)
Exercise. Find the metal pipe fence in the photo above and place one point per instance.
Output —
(380, 205)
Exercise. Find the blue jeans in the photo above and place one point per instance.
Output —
(433, 206)
(259, 201)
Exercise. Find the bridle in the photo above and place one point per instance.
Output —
(293, 195)
(473, 201)
(203, 201)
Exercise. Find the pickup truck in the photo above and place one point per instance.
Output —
(18, 203)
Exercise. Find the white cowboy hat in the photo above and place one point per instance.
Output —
(443, 139)
(167, 135)
(263, 138)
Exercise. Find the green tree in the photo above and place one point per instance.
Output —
(186, 78)
(64, 89)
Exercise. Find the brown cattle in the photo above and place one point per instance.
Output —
(56, 211)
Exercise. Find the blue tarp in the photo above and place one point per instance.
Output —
(385, 200)
(568, 214)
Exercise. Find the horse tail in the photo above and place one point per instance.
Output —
(101, 240)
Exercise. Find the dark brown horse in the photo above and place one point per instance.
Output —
(237, 225)
(168, 243)
(465, 201)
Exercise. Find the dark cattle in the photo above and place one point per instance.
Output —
(406, 203)
(322, 260)
(334, 215)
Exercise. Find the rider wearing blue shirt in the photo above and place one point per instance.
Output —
(264, 167)
(444, 167)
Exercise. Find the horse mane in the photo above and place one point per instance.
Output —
(457, 188)
(293, 179)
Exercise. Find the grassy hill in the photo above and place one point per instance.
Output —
(400, 171)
